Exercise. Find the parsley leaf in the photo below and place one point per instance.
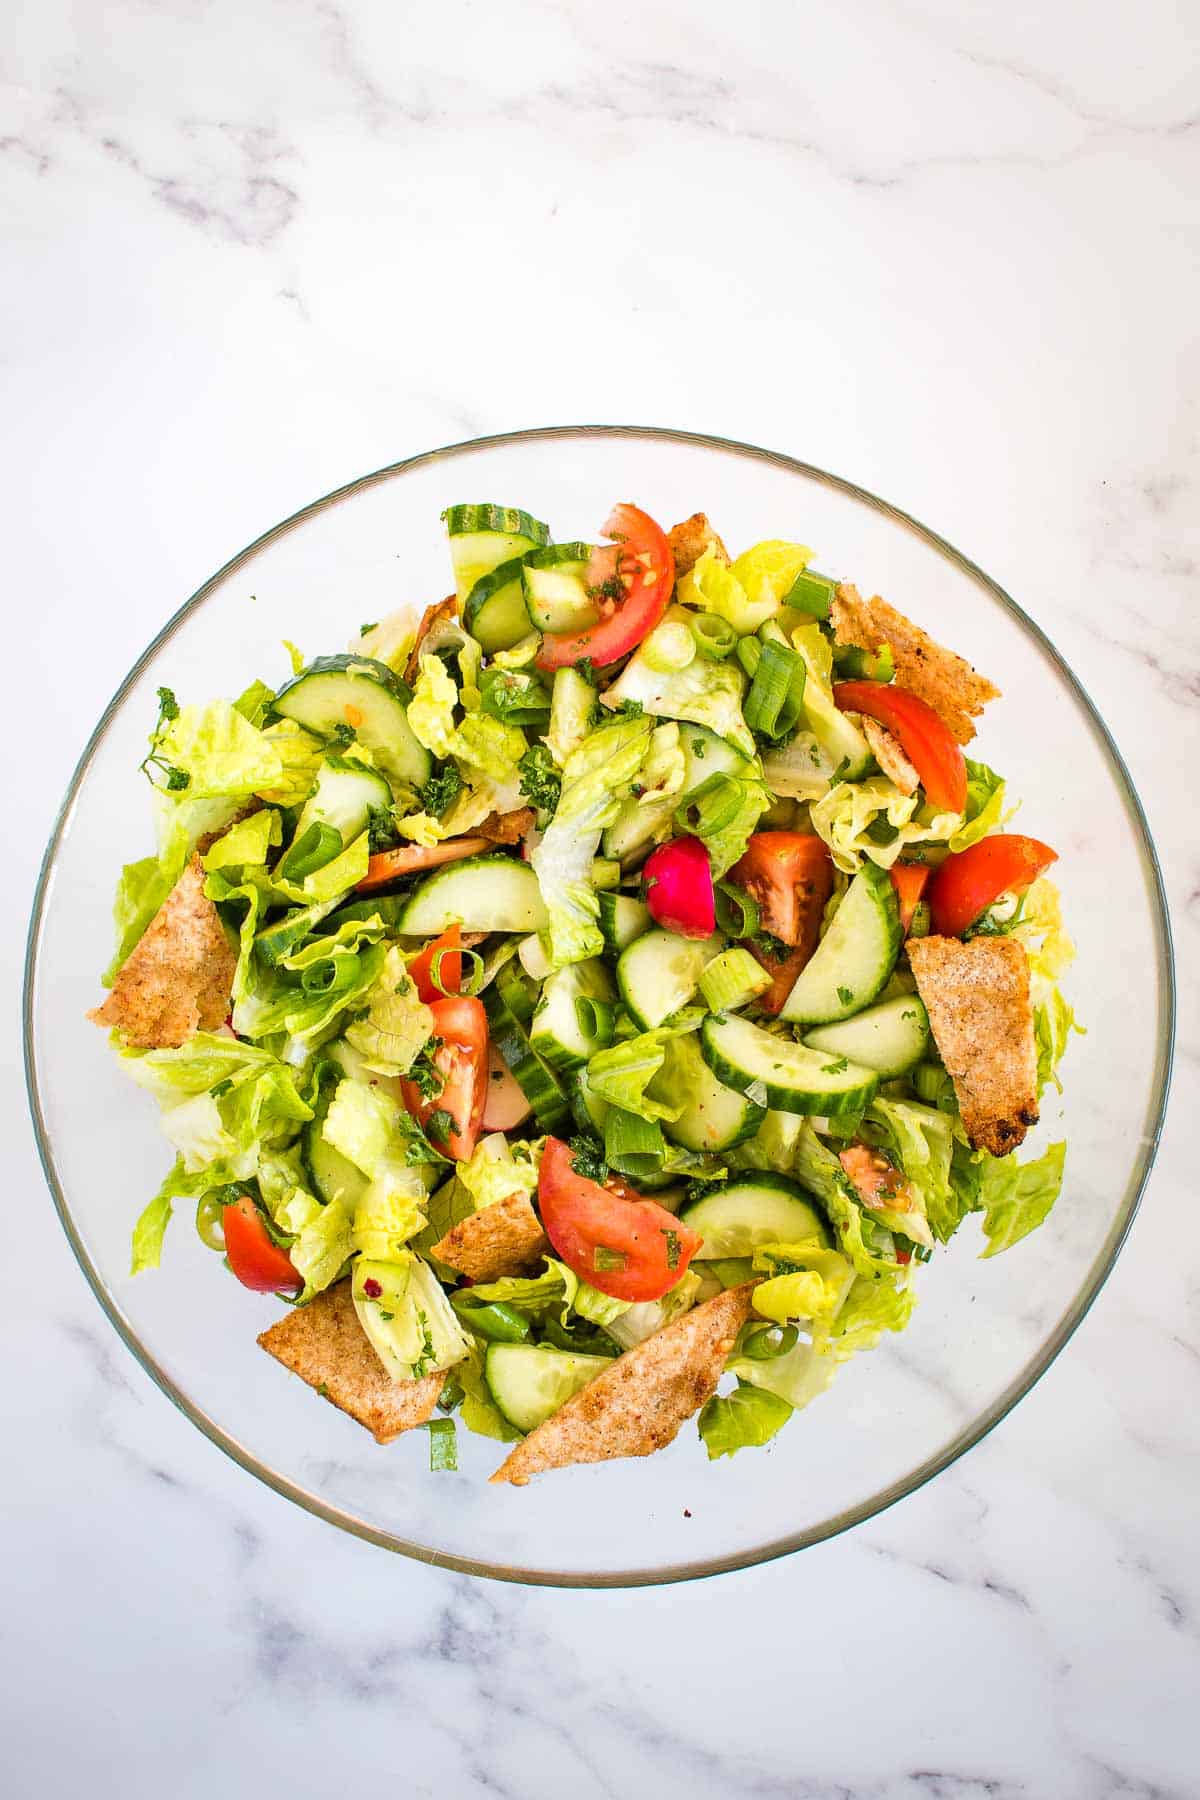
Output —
(425, 1075)
(441, 790)
(540, 779)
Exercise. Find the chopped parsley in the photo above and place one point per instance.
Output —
(174, 779)
(439, 1125)
(837, 1067)
(441, 790)
(540, 779)
(588, 1159)
(770, 946)
(672, 1238)
(604, 1259)
(363, 629)
(381, 832)
(426, 1077)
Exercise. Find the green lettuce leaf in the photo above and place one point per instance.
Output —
(300, 755)
(866, 1244)
(497, 1170)
(1015, 1198)
(920, 1141)
(323, 1243)
(388, 1214)
(219, 751)
(985, 806)
(797, 1376)
(151, 1226)
(405, 1313)
(707, 693)
(743, 1420)
(431, 709)
(249, 841)
(622, 1073)
(479, 1412)
(1053, 1024)
(643, 1318)
(875, 1304)
(849, 812)
(397, 1025)
(803, 1281)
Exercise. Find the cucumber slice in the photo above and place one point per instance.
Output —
(889, 1038)
(354, 690)
(494, 610)
(558, 1033)
(484, 893)
(483, 537)
(715, 1117)
(852, 962)
(333, 1175)
(387, 907)
(345, 797)
(621, 919)
(761, 1209)
(705, 754)
(556, 595)
(529, 1382)
(783, 1074)
(516, 991)
(539, 1084)
(660, 972)
(589, 1109)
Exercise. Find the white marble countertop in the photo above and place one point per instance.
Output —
(950, 252)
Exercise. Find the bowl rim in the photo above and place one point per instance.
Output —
(961, 1441)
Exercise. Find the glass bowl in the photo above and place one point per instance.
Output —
(983, 1331)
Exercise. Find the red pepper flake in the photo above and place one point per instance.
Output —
(371, 1288)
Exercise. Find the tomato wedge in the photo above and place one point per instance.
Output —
(449, 969)
(462, 1061)
(789, 876)
(640, 571)
(909, 880)
(629, 1248)
(970, 880)
(928, 744)
(255, 1260)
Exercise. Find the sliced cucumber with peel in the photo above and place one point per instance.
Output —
(484, 893)
(779, 1073)
(336, 691)
(851, 964)
(494, 610)
(483, 537)
(621, 919)
(759, 1209)
(715, 1117)
(890, 1038)
(660, 972)
(529, 1382)
(636, 826)
(556, 594)
(558, 1032)
(345, 797)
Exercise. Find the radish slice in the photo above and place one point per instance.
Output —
(679, 889)
(505, 1106)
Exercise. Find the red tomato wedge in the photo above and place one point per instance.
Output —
(462, 1061)
(928, 743)
(631, 1249)
(449, 969)
(677, 879)
(255, 1260)
(641, 573)
(789, 876)
(968, 882)
(410, 859)
(783, 972)
(909, 880)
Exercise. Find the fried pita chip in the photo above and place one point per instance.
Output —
(430, 618)
(638, 1405)
(888, 753)
(178, 978)
(939, 677)
(977, 998)
(326, 1346)
(690, 539)
(506, 828)
(503, 1239)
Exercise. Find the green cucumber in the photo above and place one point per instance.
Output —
(715, 1117)
(529, 1382)
(777, 1072)
(889, 1038)
(387, 907)
(621, 919)
(759, 1209)
(494, 610)
(705, 754)
(333, 1176)
(483, 537)
(851, 964)
(346, 796)
(558, 1034)
(539, 1084)
(484, 893)
(659, 973)
(556, 593)
(335, 691)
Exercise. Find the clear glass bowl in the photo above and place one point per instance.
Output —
(983, 1331)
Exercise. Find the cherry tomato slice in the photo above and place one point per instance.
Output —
(255, 1260)
(449, 969)
(641, 573)
(462, 1061)
(909, 880)
(928, 743)
(629, 1248)
(967, 883)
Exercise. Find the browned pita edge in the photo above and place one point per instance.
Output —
(977, 998)
(432, 616)
(638, 1404)
(889, 754)
(326, 1346)
(956, 692)
(505, 828)
(503, 1239)
(178, 978)
(690, 539)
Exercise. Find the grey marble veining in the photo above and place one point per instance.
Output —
(951, 253)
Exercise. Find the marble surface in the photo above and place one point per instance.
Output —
(951, 252)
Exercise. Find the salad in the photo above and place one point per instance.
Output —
(590, 1007)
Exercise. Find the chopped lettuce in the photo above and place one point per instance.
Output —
(1053, 1023)
(801, 769)
(1014, 1197)
(707, 693)
(389, 641)
(622, 1073)
(797, 1376)
(323, 1242)
(985, 811)
(494, 1172)
(802, 1281)
(300, 756)
(431, 709)
(397, 1024)
(388, 1212)
(641, 1319)
(848, 815)
(874, 1304)
(219, 751)
(743, 1420)
(920, 1141)
(572, 703)
(405, 1313)
(596, 778)
(865, 1242)
(249, 841)
(365, 1125)
(768, 572)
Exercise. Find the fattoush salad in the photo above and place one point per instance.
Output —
(590, 1006)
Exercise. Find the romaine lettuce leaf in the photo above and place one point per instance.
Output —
(431, 709)
(875, 1304)
(643, 1318)
(847, 814)
(249, 841)
(622, 1073)
(397, 1025)
(219, 751)
(797, 1376)
(1013, 1197)
(985, 811)
(743, 1420)
(802, 1281)
(388, 1213)
(920, 1141)
(494, 1172)
(323, 1242)
(707, 693)
(300, 756)
(862, 1240)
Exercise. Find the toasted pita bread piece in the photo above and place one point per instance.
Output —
(178, 978)
(638, 1405)
(888, 753)
(326, 1346)
(690, 539)
(506, 828)
(977, 998)
(503, 1239)
(430, 618)
(939, 677)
